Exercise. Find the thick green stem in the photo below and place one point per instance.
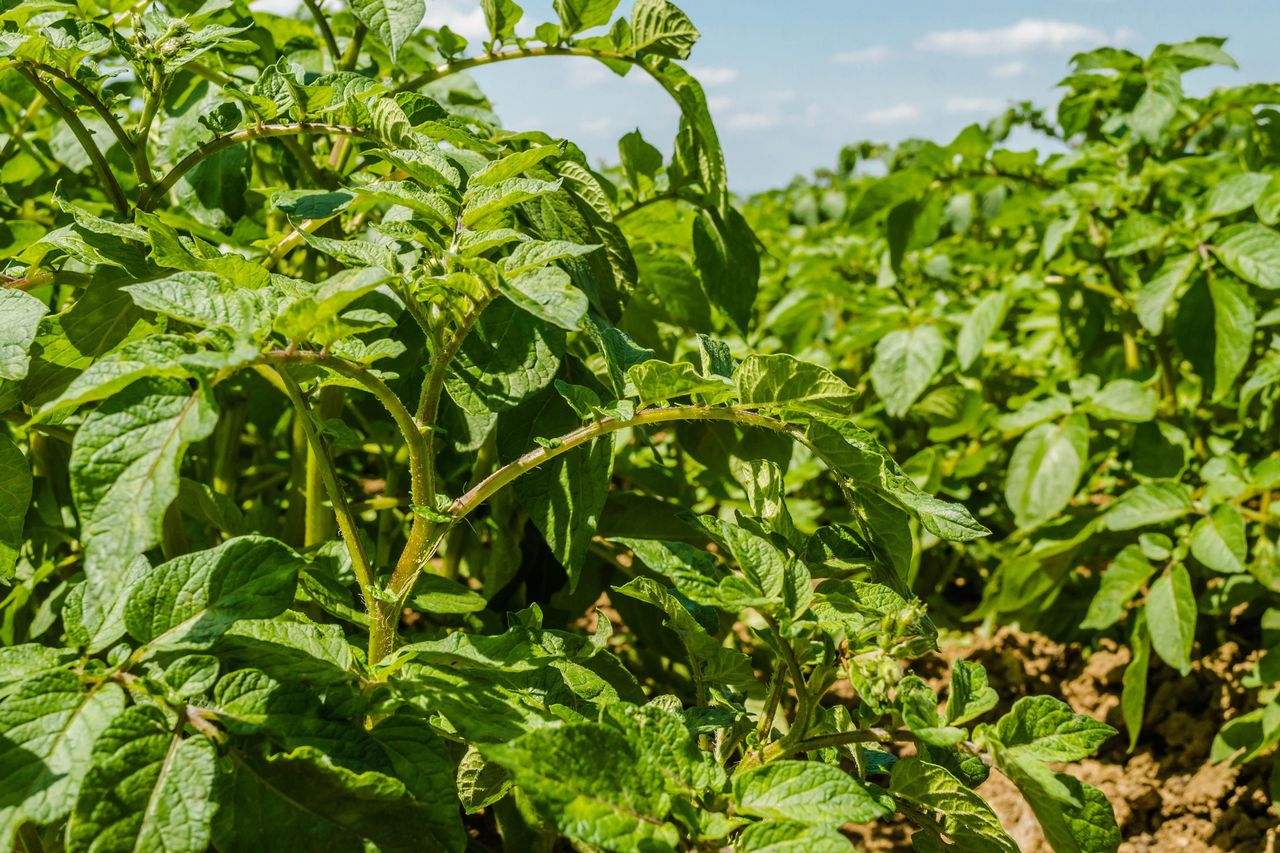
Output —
(341, 509)
(109, 183)
(322, 24)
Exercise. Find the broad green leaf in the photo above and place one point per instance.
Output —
(507, 359)
(1159, 103)
(422, 763)
(1123, 400)
(1137, 232)
(20, 315)
(1045, 469)
(1171, 617)
(300, 800)
(564, 496)
(1235, 193)
(435, 594)
(970, 695)
(513, 164)
(318, 314)
(539, 253)
(1145, 504)
(1156, 295)
(291, 646)
(1122, 580)
(1233, 327)
(426, 164)
(725, 254)
(1133, 695)
(548, 294)
(148, 788)
(809, 792)
(1218, 540)
(15, 496)
(1045, 729)
(501, 16)
(204, 299)
(657, 26)
(157, 355)
(124, 466)
(786, 383)
(191, 600)
(978, 327)
(655, 381)
(1082, 823)
(589, 781)
(783, 836)
(906, 361)
(578, 15)
(49, 726)
(1252, 252)
(965, 816)
(485, 201)
(919, 707)
(390, 21)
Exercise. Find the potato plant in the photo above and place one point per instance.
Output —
(1079, 346)
(331, 408)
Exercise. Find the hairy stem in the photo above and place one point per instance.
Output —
(109, 183)
(341, 509)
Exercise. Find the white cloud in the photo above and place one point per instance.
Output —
(875, 53)
(1026, 35)
(713, 75)
(752, 121)
(1008, 69)
(894, 115)
(464, 18)
(599, 126)
(974, 105)
(284, 8)
(719, 103)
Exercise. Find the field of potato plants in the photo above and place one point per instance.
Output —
(377, 478)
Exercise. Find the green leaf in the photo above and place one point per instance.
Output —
(1045, 729)
(1171, 617)
(1082, 823)
(15, 496)
(204, 299)
(48, 729)
(422, 763)
(21, 313)
(1123, 400)
(564, 496)
(786, 383)
(1045, 470)
(1218, 540)
(548, 294)
(983, 320)
(1123, 579)
(655, 381)
(124, 465)
(1159, 103)
(810, 793)
(782, 836)
(501, 16)
(970, 696)
(436, 594)
(157, 355)
(589, 781)
(191, 600)
(512, 165)
(1235, 193)
(1137, 232)
(1145, 504)
(1233, 327)
(390, 21)
(725, 253)
(148, 788)
(1153, 300)
(657, 26)
(507, 359)
(318, 314)
(920, 712)
(299, 800)
(488, 200)
(906, 361)
(1252, 252)
(965, 816)
(579, 15)
(1133, 694)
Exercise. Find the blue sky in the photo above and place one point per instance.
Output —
(791, 81)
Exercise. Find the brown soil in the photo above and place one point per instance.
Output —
(1166, 795)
